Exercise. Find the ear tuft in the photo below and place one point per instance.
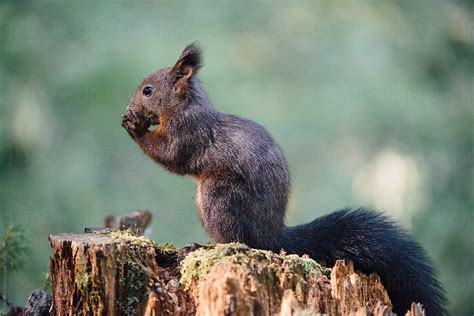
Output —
(192, 56)
(190, 60)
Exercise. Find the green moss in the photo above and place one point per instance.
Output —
(82, 281)
(85, 285)
(196, 266)
(308, 265)
(142, 241)
(134, 281)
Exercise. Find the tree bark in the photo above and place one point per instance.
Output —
(116, 273)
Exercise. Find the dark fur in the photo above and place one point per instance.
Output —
(243, 187)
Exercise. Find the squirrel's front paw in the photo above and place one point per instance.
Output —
(134, 124)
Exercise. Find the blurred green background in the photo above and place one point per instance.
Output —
(371, 101)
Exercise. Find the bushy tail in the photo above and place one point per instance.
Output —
(374, 244)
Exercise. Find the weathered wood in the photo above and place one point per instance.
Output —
(115, 273)
(100, 274)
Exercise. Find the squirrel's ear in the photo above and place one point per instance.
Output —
(189, 62)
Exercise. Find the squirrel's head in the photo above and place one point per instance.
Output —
(168, 88)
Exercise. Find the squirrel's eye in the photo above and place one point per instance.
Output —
(147, 91)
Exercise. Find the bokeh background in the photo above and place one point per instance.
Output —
(371, 101)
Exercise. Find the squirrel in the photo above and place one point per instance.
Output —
(243, 185)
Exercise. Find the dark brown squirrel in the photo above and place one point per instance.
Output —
(243, 186)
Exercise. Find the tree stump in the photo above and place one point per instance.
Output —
(117, 273)
(108, 273)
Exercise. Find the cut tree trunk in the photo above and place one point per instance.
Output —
(116, 273)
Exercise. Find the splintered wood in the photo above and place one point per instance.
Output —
(117, 273)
